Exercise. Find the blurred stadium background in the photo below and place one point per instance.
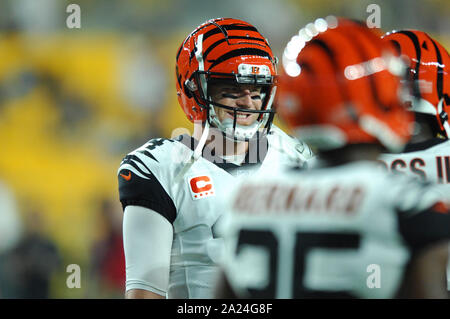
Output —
(73, 102)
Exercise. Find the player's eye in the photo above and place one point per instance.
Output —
(229, 95)
(256, 97)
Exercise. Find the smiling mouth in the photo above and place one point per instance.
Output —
(239, 116)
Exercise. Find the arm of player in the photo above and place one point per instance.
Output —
(223, 288)
(147, 241)
(425, 277)
(428, 235)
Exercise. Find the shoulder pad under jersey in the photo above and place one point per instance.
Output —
(291, 146)
(143, 177)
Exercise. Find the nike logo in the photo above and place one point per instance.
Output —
(126, 177)
(441, 208)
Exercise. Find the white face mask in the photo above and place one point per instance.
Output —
(241, 132)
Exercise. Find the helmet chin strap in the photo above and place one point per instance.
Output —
(233, 131)
(239, 133)
(198, 150)
(195, 155)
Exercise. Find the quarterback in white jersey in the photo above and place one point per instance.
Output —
(150, 177)
(345, 228)
(171, 188)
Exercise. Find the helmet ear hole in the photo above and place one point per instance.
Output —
(187, 91)
(189, 88)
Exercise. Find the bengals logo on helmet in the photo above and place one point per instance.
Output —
(255, 70)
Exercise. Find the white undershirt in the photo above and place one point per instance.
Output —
(147, 242)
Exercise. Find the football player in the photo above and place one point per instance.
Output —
(345, 228)
(170, 188)
(427, 155)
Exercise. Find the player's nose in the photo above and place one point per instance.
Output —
(245, 100)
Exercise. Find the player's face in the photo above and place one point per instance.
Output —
(241, 96)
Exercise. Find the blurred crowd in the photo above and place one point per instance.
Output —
(73, 102)
(71, 105)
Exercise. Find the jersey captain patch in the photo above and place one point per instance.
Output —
(201, 186)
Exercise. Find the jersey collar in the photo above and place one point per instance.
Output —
(259, 146)
(420, 146)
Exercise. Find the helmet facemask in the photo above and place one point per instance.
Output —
(230, 127)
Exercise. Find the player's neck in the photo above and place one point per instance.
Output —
(221, 145)
(425, 128)
(226, 147)
(421, 137)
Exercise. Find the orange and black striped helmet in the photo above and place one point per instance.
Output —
(429, 71)
(340, 85)
(225, 49)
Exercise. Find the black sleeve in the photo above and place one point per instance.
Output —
(426, 227)
(144, 191)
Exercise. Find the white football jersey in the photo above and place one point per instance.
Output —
(160, 176)
(428, 161)
(345, 231)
